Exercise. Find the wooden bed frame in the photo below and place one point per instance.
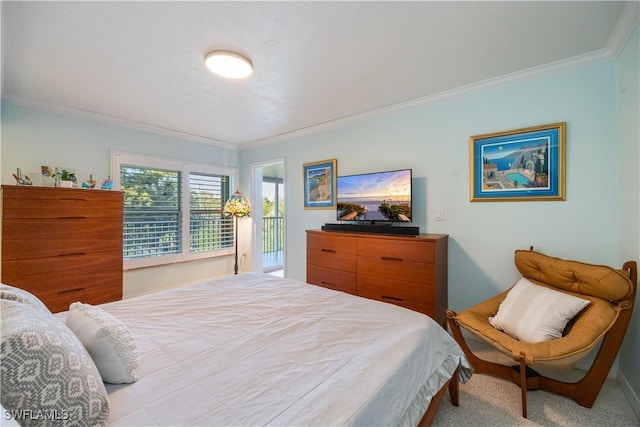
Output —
(432, 410)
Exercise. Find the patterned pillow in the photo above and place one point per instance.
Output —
(22, 296)
(46, 373)
(533, 313)
(108, 341)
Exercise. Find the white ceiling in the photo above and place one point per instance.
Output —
(142, 63)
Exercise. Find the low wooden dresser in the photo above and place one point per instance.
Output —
(402, 270)
(63, 245)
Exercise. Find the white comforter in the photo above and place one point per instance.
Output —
(255, 349)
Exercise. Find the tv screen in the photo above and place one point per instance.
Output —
(375, 197)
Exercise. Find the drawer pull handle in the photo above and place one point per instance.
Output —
(71, 254)
(331, 251)
(390, 258)
(392, 298)
(68, 291)
(328, 283)
(72, 217)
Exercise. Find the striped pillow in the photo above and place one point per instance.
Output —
(533, 313)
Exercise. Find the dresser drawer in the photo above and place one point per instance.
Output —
(397, 269)
(63, 273)
(41, 238)
(332, 279)
(404, 250)
(414, 296)
(331, 243)
(331, 259)
(42, 202)
(406, 271)
(395, 290)
(59, 300)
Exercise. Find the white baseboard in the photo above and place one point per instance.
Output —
(632, 397)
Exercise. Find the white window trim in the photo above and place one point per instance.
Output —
(119, 157)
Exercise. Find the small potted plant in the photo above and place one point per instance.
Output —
(67, 178)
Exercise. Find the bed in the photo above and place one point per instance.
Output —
(255, 349)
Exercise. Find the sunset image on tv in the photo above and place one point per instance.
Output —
(380, 196)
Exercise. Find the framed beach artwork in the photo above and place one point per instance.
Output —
(320, 184)
(518, 165)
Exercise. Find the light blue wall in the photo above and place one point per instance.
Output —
(32, 137)
(628, 71)
(433, 140)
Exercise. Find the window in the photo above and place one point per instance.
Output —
(208, 228)
(172, 210)
(152, 214)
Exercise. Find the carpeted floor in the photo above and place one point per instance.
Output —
(489, 401)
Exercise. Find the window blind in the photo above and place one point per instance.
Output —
(209, 229)
(152, 211)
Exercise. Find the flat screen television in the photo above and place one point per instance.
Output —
(374, 197)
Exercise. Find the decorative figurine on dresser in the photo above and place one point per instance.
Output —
(62, 244)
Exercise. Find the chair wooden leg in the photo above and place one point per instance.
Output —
(479, 365)
(523, 384)
(483, 366)
(586, 390)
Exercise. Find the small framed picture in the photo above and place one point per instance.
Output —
(320, 184)
(518, 165)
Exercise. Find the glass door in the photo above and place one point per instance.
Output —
(269, 223)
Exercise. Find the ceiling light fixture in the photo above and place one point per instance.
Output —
(228, 64)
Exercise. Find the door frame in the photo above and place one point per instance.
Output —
(256, 201)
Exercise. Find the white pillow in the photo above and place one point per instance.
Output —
(533, 313)
(108, 341)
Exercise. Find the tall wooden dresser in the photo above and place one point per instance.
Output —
(63, 245)
(402, 270)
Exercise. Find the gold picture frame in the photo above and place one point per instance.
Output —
(320, 184)
(525, 164)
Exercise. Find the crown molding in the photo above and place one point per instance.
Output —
(629, 18)
(116, 121)
(625, 26)
(576, 62)
(627, 22)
